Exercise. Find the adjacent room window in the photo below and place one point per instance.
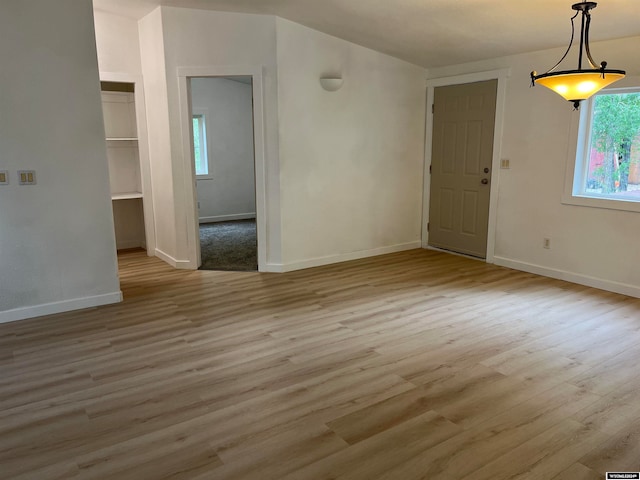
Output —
(608, 154)
(200, 145)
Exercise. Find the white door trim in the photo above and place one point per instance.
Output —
(501, 75)
(191, 202)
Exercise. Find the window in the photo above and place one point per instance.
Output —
(607, 164)
(200, 145)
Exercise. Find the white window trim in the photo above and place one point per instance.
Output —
(575, 172)
(204, 112)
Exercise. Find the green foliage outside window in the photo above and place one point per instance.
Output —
(200, 146)
(615, 133)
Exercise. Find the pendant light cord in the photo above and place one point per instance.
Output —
(586, 42)
(573, 31)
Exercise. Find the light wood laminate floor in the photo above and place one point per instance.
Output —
(416, 365)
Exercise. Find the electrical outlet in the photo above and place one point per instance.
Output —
(505, 163)
(546, 243)
(27, 177)
(4, 177)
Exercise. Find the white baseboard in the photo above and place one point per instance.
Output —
(602, 284)
(272, 268)
(59, 307)
(227, 218)
(180, 264)
(344, 257)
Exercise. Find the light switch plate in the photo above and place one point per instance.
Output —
(27, 177)
(4, 177)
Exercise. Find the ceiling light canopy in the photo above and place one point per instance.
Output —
(580, 84)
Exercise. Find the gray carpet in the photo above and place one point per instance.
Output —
(229, 246)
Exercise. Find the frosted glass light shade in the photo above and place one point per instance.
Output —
(579, 85)
(331, 84)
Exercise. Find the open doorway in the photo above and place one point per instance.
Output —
(222, 135)
(125, 125)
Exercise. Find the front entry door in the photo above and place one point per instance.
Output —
(462, 150)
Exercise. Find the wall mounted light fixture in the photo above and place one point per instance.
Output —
(579, 84)
(331, 84)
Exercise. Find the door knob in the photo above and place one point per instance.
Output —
(484, 181)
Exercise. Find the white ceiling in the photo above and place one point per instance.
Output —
(430, 33)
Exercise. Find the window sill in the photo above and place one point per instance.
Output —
(204, 177)
(602, 202)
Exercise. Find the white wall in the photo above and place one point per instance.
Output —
(162, 172)
(228, 193)
(347, 182)
(117, 43)
(592, 246)
(56, 238)
(198, 38)
(351, 161)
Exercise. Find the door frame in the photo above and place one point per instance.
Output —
(185, 74)
(501, 75)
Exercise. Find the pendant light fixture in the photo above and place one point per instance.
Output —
(580, 84)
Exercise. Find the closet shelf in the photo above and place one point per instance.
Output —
(126, 195)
